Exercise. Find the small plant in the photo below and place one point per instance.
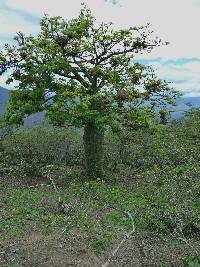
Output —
(98, 246)
(191, 261)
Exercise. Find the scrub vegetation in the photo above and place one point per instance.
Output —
(110, 181)
(155, 179)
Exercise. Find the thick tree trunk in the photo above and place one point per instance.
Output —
(93, 145)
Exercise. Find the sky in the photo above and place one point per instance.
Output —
(174, 21)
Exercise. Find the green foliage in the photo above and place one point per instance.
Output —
(157, 181)
(12, 265)
(24, 208)
(192, 261)
(98, 246)
(97, 210)
(157, 147)
(83, 74)
(29, 152)
(4, 128)
(80, 72)
(155, 178)
(172, 201)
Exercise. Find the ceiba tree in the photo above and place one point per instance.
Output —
(83, 74)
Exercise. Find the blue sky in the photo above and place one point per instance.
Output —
(176, 21)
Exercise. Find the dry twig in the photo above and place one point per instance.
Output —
(127, 236)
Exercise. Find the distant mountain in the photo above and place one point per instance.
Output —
(37, 118)
(184, 104)
(32, 120)
(4, 96)
(183, 101)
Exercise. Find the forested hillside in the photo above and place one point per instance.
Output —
(4, 97)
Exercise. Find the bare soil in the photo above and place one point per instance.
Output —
(143, 249)
(55, 251)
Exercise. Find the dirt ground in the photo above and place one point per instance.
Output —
(54, 251)
(36, 249)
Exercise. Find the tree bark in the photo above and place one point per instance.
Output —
(94, 151)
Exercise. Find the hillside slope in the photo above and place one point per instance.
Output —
(32, 120)
(38, 117)
(4, 96)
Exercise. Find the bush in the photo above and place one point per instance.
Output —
(171, 145)
(26, 153)
(191, 261)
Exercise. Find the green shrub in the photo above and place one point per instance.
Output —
(27, 153)
(191, 261)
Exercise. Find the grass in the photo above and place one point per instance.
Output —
(25, 208)
(164, 202)
(155, 179)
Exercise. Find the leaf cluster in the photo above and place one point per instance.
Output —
(80, 71)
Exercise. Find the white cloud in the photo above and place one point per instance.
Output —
(185, 78)
(11, 23)
(3, 79)
(65, 8)
(194, 93)
(175, 21)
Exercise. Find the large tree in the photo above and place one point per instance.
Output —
(83, 74)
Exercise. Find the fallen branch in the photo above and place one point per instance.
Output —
(53, 183)
(127, 236)
(63, 208)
